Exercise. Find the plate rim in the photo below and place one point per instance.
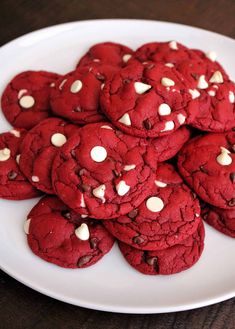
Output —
(70, 300)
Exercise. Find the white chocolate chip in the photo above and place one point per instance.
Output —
(164, 109)
(82, 232)
(96, 60)
(76, 86)
(18, 158)
(224, 158)
(202, 83)
(106, 127)
(173, 45)
(22, 92)
(160, 184)
(141, 88)
(129, 167)
(5, 154)
(58, 139)
(27, 102)
(154, 204)
(217, 77)
(211, 93)
(125, 119)
(231, 97)
(52, 85)
(166, 82)
(169, 125)
(98, 153)
(62, 84)
(169, 64)
(26, 225)
(35, 179)
(181, 118)
(15, 132)
(99, 192)
(82, 202)
(126, 57)
(122, 188)
(102, 86)
(211, 55)
(197, 215)
(84, 216)
(194, 93)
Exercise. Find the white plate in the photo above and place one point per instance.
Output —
(111, 285)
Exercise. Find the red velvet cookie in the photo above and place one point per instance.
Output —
(148, 100)
(76, 96)
(58, 235)
(102, 172)
(39, 148)
(207, 164)
(25, 101)
(13, 184)
(168, 146)
(169, 215)
(108, 53)
(174, 259)
(222, 220)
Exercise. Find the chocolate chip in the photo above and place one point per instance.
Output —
(231, 202)
(85, 187)
(100, 77)
(147, 124)
(132, 214)
(153, 261)
(195, 76)
(203, 169)
(12, 175)
(66, 214)
(138, 240)
(93, 243)
(84, 260)
(232, 177)
(125, 81)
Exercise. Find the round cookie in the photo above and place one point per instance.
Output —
(223, 220)
(13, 184)
(207, 163)
(169, 215)
(25, 101)
(39, 148)
(148, 100)
(103, 173)
(76, 96)
(174, 259)
(168, 146)
(106, 53)
(59, 236)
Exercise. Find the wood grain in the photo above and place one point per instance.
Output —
(21, 307)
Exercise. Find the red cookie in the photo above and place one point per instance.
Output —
(103, 173)
(168, 146)
(58, 235)
(25, 101)
(207, 164)
(39, 148)
(169, 215)
(76, 96)
(222, 220)
(106, 53)
(13, 184)
(148, 100)
(174, 259)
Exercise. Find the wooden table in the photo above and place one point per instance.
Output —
(21, 307)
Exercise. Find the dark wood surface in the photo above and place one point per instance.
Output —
(21, 307)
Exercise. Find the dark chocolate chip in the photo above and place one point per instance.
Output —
(125, 81)
(12, 175)
(132, 214)
(147, 124)
(66, 214)
(138, 240)
(232, 177)
(231, 202)
(93, 243)
(85, 187)
(153, 261)
(84, 260)
(195, 76)
(203, 169)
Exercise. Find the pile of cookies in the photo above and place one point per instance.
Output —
(134, 146)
